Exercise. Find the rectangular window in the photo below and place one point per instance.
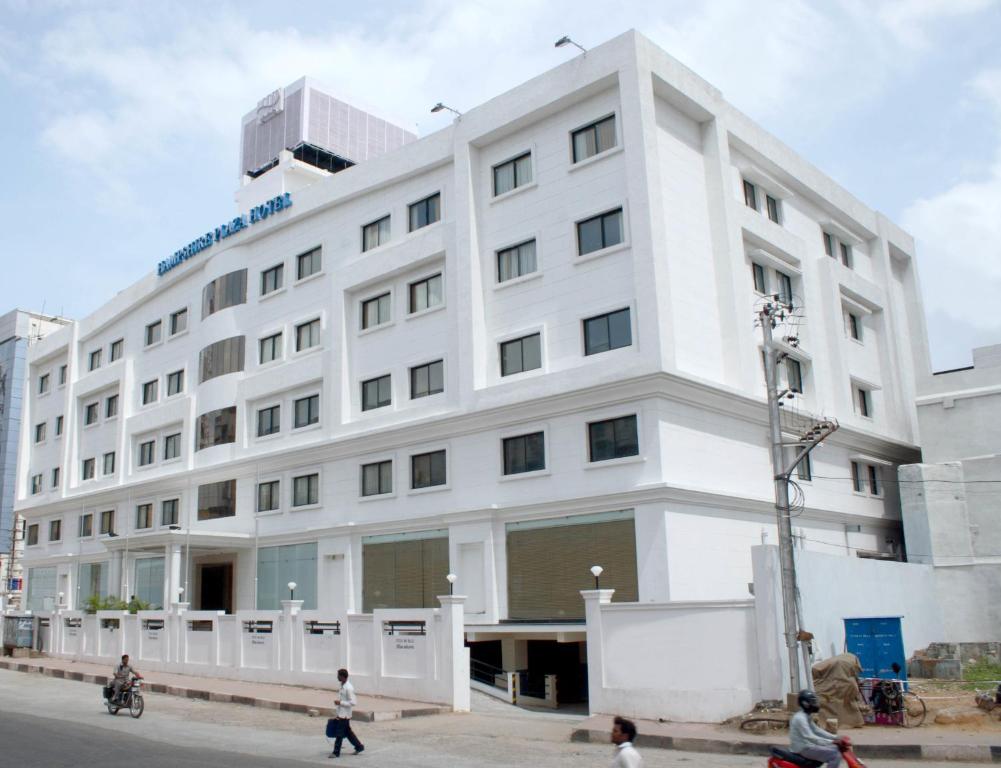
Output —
(858, 481)
(43, 383)
(376, 393)
(875, 487)
(55, 530)
(518, 355)
(405, 572)
(90, 414)
(377, 478)
(175, 383)
(426, 293)
(305, 490)
(178, 321)
(375, 234)
(270, 348)
(853, 324)
(229, 290)
(144, 516)
(599, 232)
(277, 566)
(111, 406)
(760, 282)
(785, 288)
(268, 498)
(427, 379)
(307, 411)
(607, 332)
(107, 524)
(168, 512)
(63, 369)
(516, 261)
(147, 453)
(593, 139)
(36, 484)
(426, 211)
(94, 360)
(525, 453)
(375, 311)
(269, 420)
(85, 525)
(56, 475)
(32, 534)
(794, 375)
(59, 425)
(863, 401)
(512, 174)
(272, 279)
(750, 195)
(846, 254)
(307, 335)
(613, 438)
(151, 391)
(309, 263)
(221, 357)
(828, 244)
(217, 500)
(216, 427)
(115, 352)
(40, 432)
(172, 446)
(108, 462)
(88, 469)
(427, 469)
(154, 332)
(772, 207)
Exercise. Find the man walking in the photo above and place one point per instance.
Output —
(345, 707)
(623, 735)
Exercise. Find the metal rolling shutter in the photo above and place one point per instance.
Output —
(404, 571)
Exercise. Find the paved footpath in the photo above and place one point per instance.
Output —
(925, 743)
(289, 698)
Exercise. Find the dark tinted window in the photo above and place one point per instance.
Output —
(226, 291)
(226, 356)
(606, 332)
(217, 500)
(613, 439)
(217, 427)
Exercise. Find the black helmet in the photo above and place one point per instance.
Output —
(808, 701)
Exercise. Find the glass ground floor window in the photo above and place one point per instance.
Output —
(277, 566)
(405, 570)
(41, 589)
(549, 563)
(91, 581)
(149, 581)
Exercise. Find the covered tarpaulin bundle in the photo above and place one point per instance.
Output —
(836, 683)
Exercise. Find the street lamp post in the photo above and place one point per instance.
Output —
(596, 571)
(291, 590)
(451, 581)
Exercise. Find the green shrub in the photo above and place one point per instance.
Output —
(96, 603)
(982, 670)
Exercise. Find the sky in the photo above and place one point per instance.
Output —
(121, 120)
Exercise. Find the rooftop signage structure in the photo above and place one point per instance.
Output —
(199, 244)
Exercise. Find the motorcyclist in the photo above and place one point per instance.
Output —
(807, 738)
(123, 674)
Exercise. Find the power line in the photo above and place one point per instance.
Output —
(898, 480)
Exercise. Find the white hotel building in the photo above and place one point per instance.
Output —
(513, 349)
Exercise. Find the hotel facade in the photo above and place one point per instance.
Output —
(511, 350)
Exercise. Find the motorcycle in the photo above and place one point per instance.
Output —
(130, 697)
(783, 758)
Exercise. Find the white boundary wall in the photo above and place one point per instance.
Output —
(410, 654)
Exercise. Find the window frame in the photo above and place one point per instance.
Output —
(147, 450)
(96, 406)
(176, 507)
(274, 486)
(277, 347)
(88, 469)
(104, 463)
(106, 522)
(85, 525)
(429, 454)
(115, 350)
(618, 457)
(278, 273)
(436, 196)
(111, 406)
(377, 223)
(174, 438)
(365, 303)
(156, 327)
(176, 315)
(179, 376)
(56, 530)
(309, 326)
(606, 316)
(312, 485)
(426, 282)
(377, 381)
(501, 345)
(499, 279)
(94, 359)
(593, 127)
(312, 253)
(517, 184)
(605, 246)
(505, 440)
(295, 415)
(145, 389)
(43, 384)
(275, 422)
(379, 491)
(145, 508)
(431, 392)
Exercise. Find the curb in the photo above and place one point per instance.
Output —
(968, 753)
(363, 716)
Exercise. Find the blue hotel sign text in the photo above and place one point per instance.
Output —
(199, 244)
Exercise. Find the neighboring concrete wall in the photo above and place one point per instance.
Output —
(934, 512)
(970, 597)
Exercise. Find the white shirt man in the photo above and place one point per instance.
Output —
(345, 703)
(623, 733)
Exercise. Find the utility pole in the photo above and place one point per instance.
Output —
(774, 311)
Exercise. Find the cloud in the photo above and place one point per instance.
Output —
(910, 20)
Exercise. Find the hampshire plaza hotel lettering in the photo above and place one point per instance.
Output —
(199, 244)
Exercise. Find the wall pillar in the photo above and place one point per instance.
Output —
(290, 648)
(455, 671)
(593, 600)
(172, 580)
(514, 654)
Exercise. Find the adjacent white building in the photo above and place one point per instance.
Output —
(513, 349)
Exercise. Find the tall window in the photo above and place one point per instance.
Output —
(150, 391)
(277, 566)
(221, 358)
(772, 208)
(804, 470)
(785, 287)
(178, 321)
(56, 474)
(115, 352)
(426, 293)
(40, 433)
(85, 525)
(217, 427)
(307, 411)
(172, 446)
(375, 234)
(377, 478)
(375, 311)
(794, 375)
(147, 453)
(94, 360)
(55, 530)
(88, 469)
(853, 325)
(32, 534)
(512, 174)
(36, 483)
(599, 232)
(154, 332)
(838, 249)
(111, 406)
(828, 244)
(376, 393)
(426, 211)
(225, 291)
(858, 479)
(268, 498)
(750, 195)
(613, 438)
(62, 374)
(59, 425)
(516, 261)
(109, 463)
(305, 490)
(427, 469)
(518, 355)
(427, 379)
(144, 516)
(168, 512)
(107, 522)
(760, 281)
(270, 347)
(43, 383)
(90, 414)
(272, 279)
(524, 453)
(875, 486)
(607, 332)
(307, 335)
(309, 263)
(217, 500)
(863, 401)
(593, 139)
(269, 420)
(846, 254)
(175, 383)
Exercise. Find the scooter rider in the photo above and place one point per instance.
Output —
(123, 674)
(808, 739)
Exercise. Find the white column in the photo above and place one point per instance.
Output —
(172, 561)
(593, 600)
(115, 574)
(289, 636)
(456, 657)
